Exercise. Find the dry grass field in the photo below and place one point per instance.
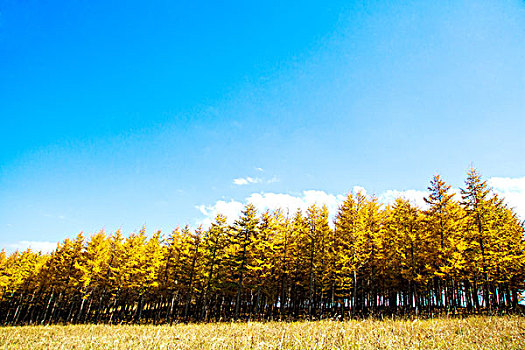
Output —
(476, 332)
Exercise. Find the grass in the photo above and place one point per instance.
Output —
(475, 332)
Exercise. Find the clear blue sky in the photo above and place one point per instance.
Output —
(119, 114)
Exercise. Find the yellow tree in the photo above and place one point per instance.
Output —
(405, 224)
(214, 245)
(244, 228)
(455, 262)
(370, 218)
(261, 262)
(319, 238)
(20, 272)
(63, 278)
(267, 262)
(152, 269)
(191, 276)
(344, 248)
(115, 276)
(4, 273)
(173, 270)
(299, 262)
(506, 256)
(358, 226)
(442, 225)
(283, 244)
(132, 274)
(478, 203)
(93, 269)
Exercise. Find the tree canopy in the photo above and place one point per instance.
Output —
(458, 254)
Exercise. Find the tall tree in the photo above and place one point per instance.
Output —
(214, 245)
(478, 203)
(244, 229)
(441, 226)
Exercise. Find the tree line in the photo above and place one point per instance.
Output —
(456, 255)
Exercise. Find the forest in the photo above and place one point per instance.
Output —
(458, 255)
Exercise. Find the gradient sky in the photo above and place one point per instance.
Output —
(120, 114)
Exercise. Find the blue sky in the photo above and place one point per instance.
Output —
(120, 114)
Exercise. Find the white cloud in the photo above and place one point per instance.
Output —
(246, 180)
(291, 203)
(415, 197)
(357, 189)
(456, 191)
(512, 190)
(254, 180)
(231, 209)
(37, 246)
(271, 201)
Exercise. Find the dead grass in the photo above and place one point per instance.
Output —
(476, 332)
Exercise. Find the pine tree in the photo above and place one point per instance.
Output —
(191, 275)
(214, 245)
(93, 268)
(441, 228)
(300, 255)
(343, 249)
(244, 229)
(172, 265)
(478, 202)
(319, 238)
(399, 259)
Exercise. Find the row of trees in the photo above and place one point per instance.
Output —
(466, 254)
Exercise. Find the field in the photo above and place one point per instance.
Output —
(476, 332)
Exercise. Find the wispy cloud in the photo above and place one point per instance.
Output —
(246, 180)
(240, 181)
(273, 180)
